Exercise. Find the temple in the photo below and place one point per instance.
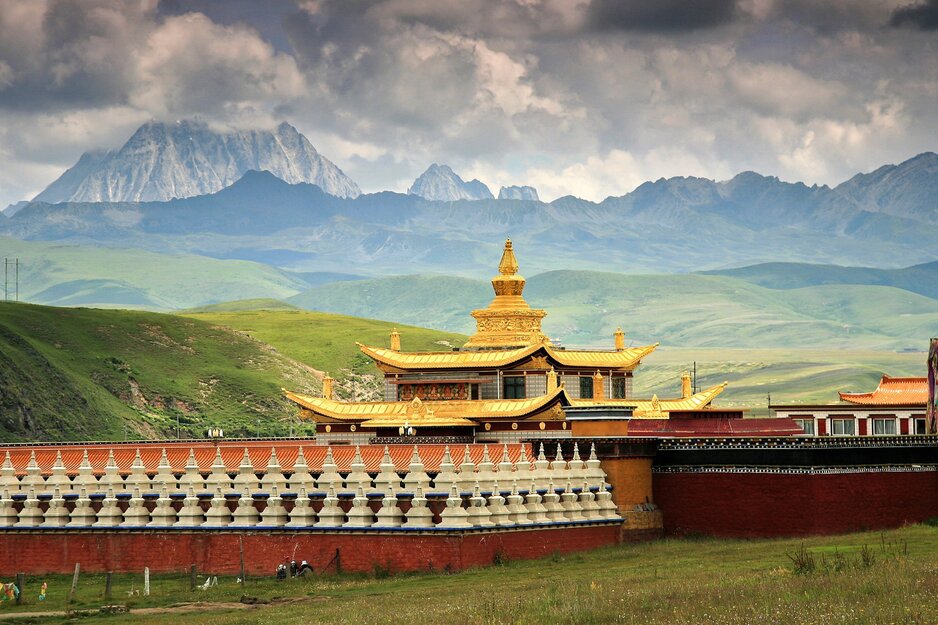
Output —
(508, 383)
(896, 406)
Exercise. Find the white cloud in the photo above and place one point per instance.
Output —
(192, 65)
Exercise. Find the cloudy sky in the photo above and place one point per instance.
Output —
(583, 97)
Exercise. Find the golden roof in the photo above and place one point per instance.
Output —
(424, 413)
(658, 408)
(625, 359)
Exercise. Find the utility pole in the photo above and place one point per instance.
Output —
(17, 274)
(6, 279)
(695, 377)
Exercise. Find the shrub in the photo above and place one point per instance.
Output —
(803, 561)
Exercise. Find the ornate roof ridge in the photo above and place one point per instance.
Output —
(443, 409)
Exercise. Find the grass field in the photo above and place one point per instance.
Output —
(326, 341)
(870, 578)
(72, 275)
(81, 374)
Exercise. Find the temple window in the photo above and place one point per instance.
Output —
(843, 427)
(807, 425)
(919, 426)
(884, 427)
(513, 386)
(618, 388)
(586, 387)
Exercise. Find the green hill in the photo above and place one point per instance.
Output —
(326, 341)
(921, 279)
(242, 305)
(690, 310)
(74, 373)
(71, 275)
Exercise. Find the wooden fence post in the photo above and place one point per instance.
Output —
(241, 546)
(20, 582)
(107, 586)
(192, 578)
(71, 592)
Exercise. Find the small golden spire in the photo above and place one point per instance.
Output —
(509, 264)
(599, 391)
(395, 340)
(327, 386)
(686, 388)
(620, 340)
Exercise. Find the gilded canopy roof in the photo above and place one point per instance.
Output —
(658, 408)
(625, 359)
(436, 413)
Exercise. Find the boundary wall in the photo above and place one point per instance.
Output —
(219, 551)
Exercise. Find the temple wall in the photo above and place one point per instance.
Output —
(760, 504)
(218, 552)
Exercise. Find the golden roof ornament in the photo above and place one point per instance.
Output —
(509, 321)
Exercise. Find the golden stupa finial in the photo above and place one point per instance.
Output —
(508, 321)
(509, 264)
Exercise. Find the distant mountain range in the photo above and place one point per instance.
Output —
(165, 161)
(669, 225)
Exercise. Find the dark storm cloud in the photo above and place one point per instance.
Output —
(923, 16)
(661, 16)
(65, 54)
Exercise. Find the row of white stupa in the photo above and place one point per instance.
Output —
(565, 505)
(465, 477)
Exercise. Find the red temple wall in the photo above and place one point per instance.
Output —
(218, 552)
(791, 504)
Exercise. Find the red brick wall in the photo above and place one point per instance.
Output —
(773, 504)
(38, 552)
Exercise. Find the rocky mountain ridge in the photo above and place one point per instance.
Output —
(442, 184)
(165, 161)
(669, 225)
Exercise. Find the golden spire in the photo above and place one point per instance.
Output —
(395, 340)
(509, 264)
(620, 339)
(327, 386)
(686, 388)
(509, 321)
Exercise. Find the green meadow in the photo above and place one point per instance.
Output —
(868, 578)
(83, 374)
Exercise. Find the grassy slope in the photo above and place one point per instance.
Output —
(71, 373)
(68, 275)
(922, 279)
(585, 307)
(242, 305)
(719, 582)
(327, 341)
